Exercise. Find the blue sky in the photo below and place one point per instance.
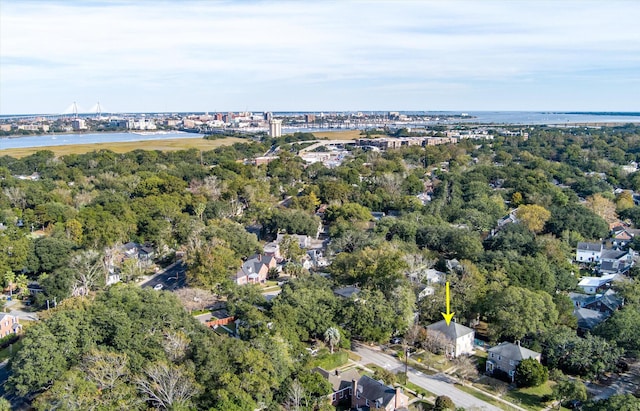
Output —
(319, 55)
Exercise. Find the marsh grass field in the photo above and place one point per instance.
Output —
(124, 147)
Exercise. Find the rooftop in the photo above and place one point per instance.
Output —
(453, 331)
(513, 351)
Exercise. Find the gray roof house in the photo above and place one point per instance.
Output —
(460, 337)
(506, 356)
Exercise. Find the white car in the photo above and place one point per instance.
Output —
(157, 287)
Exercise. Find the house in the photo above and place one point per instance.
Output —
(589, 252)
(367, 393)
(616, 261)
(146, 253)
(607, 302)
(254, 270)
(460, 337)
(304, 241)
(592, 285)
(346, 292)
(621, 236)
(340, 383)
(506, 356)
(9, 325)
(588, 319)
(272, 249)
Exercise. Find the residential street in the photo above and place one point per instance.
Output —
(171, 278)
(438, 384)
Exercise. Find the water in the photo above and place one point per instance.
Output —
(89, 138)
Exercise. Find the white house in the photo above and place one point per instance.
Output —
(460, 337)
(591, 285)
(589, 252)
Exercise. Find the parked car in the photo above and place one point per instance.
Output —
(157, 287)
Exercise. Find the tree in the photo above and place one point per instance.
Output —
(195, 298)
(22, 283)
(530, 373)
(211, 265)
(569, 389)
(39, 362)
(89, 272)
(435, 342)
(444, 403)
(386, 376)
(290, 248)
(466, 368)
(9, 280)
(622, 328)
(533, 216)
(624, 201)
(167, 386)
(332, 337)
(515, 312)
(603, 207)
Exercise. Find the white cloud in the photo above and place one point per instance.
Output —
(244, 48)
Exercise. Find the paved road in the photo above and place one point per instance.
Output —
(172, 278)
(10, 307)
(439, 384)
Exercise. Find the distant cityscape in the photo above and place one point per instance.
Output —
(211, 123)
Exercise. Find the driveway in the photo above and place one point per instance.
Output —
(439, 384)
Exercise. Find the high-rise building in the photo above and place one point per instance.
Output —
(275, 128)
(78, 124)
(309, 118)
(268, 116)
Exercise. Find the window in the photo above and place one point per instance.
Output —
(366, 402)
(491, 355)
(499, 358)
(333, 397)
(358, 396)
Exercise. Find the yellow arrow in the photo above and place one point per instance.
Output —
(449, 315)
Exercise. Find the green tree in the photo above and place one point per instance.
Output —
(569, 389)
(530, 373)
(332, 337)
(444, 403)
(39, 362)
(211, 265)
(515, 312)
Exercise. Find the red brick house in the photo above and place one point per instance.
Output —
(9, 325)
(255, 270)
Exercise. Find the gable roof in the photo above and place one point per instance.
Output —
(613, 254)
(596, 281)
(513, 351)
(587, 319)
(375, 391)
(589, 246)
(453, 331)
(340, 380)
(254, 264)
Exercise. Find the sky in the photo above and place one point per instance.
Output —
(179, 56)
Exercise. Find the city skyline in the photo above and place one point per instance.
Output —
(347, 56)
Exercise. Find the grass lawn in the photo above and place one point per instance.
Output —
(330, 361)
(353, 356)
(338, 135)
(484, 397)
(123, 147)
(530, 398)
(8, 352)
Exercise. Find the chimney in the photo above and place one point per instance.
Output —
(399, 400)
(354, 393)
(337, 372)
(259, 257)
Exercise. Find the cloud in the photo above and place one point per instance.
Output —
(231, 48)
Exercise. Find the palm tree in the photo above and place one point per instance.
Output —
(332, 337)
(9, 279)
(21, 283)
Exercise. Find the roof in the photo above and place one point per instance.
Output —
(595, 281)
(453, 331)
(587, 319)
(254, 264)
(589, 246)
(374, 390)
(346, 292)
(513, 351)
(339, 380)
(5, 315)
(613, 254)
